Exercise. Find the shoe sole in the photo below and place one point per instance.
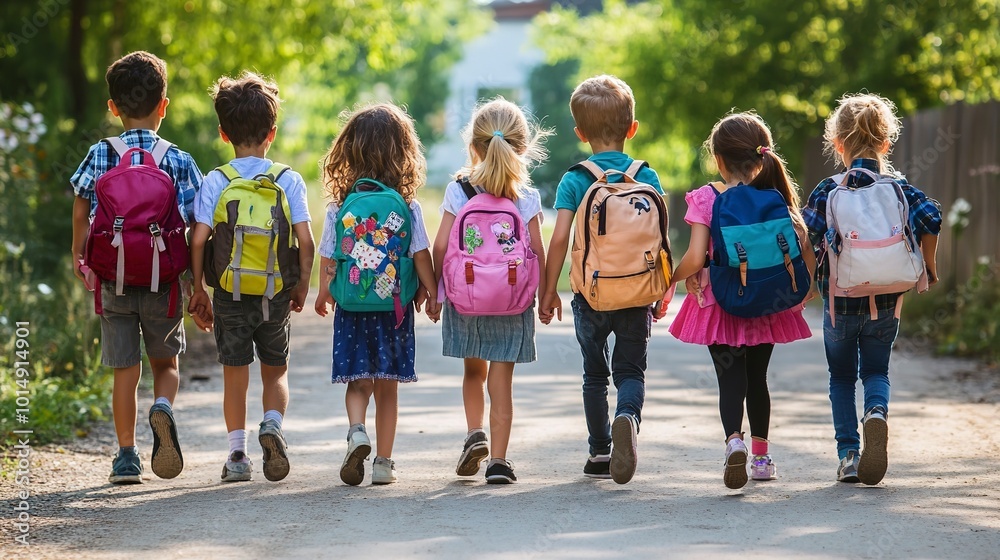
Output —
(471, 459)
(235, 477)
(623, 451)
(353, 470)
(874, 458)
(378, 481)
(601, 476)
(499, 479)
(735, 475)
(167, 461)
(126, 479)
(275, 458)
(853, 479)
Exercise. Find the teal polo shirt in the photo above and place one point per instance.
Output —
(575, 182)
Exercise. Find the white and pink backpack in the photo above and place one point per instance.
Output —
(870, 242)
(489, 268)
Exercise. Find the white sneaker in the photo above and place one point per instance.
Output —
(735, 473)
(358, 448)
(383, 471)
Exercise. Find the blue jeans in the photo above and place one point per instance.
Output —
(857, 346)
(625, 365)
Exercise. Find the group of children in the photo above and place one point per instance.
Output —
(378, 267)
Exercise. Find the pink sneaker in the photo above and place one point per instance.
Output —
(762, 468)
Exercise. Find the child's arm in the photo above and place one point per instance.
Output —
(538, 247)
(425, 272)
(809, 256)
(441, 243)
(550, 304)
(307, 254)
(327, 270)
(200, 306)
(694, 258)
(81, 221)
(928, 248)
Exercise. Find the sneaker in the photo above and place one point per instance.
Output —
(238, 468)
(848, 469)
(383, 471)
(500, 473)
(167, 461)
(358, 448)
(272, 441)
(762, 468)
(874, 461)
(623, 452)
(597, 466)
(735, 474)
(126, 468)
(476, 450)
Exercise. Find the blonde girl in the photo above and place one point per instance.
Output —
(501, 146)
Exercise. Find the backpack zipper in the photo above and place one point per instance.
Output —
(461, 225)
(661, 208)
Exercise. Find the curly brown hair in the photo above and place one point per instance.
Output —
(377, 142)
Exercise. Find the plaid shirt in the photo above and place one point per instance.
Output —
(178, 164)
(925, 218)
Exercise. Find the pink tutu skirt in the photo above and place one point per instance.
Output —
(711, 325)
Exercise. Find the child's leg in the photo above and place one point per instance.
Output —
(592, 331)
(758, 396)
(356, 399)
(841, 342)
(386, 415)
(166, 378)
(501, 386)
(124, 403)
(731, 371)
(275, 390)
(628, 360)
(236, 381)
(473, 392)
(875, 348)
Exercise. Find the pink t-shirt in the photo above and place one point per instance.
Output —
(701, 321)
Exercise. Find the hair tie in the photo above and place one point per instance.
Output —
(761, 150)
(498, 133)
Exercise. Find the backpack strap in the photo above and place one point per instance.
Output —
(467, 187)
(276, 171)
(117, 144)
(636, 166)
(229, 171)
(591, 168)
(160, 150)
(372, 182)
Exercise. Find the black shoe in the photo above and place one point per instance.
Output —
(598, 467)
(500, 473)
(167, 461)
(476, 450)
(126, 468)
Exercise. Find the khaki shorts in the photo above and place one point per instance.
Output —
(139, 316)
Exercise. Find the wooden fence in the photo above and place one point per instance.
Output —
(950, 153)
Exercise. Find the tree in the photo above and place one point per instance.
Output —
(551, 86)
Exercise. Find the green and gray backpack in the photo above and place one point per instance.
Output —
(374, 268)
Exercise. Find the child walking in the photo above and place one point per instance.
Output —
(501, 146)
(740, 347)
(373, 240)
(859, 331)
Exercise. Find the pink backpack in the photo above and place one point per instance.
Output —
(137, 236)
(489, 268)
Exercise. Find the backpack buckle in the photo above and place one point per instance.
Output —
(470, 276)
(741, 253)
(783, 243)
(154, 229)
(119, 224)
(512, 273)
(650, 262)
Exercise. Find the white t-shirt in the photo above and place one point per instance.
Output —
(418, 231)
(529, 205)
(249, 167)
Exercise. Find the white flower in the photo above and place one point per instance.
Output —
(984, 260)
(12, 143)
(13, 249)
(44, 289)
(28, 108)
(3, 320)
(6, 111)
(20, 123)
(41, 129)
(37, 118)
(958, 216)
(961, 205)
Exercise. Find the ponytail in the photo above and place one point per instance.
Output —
(502, 170)
(774, 174)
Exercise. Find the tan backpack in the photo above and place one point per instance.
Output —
(621, 252)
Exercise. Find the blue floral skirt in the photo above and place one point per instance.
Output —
(369, 346)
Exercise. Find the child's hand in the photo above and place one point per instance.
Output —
(660, 310)
(200, 308)
(549, 307)
(298, 297)
(323, 303)
(419, 298)
(433, 308)
(693, 286)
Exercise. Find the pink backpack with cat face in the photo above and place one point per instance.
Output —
(489, 268)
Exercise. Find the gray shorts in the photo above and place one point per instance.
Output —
(240, 325)
(139, 315)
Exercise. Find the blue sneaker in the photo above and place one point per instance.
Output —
(126, 467)
(167, 461)
(272, 441)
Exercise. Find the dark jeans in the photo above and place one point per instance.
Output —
(625, 365)
(857, 347)
(742, 373)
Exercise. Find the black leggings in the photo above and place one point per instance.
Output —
(742, 373)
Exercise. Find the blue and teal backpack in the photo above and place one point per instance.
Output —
(757, 267)
(374, 269)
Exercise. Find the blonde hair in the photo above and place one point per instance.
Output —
(603, 109)
(864, 124)
(502, 147)
(377, 142)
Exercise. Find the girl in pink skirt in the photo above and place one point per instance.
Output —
(740, 347)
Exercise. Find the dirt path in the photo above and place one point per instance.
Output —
(941, 496)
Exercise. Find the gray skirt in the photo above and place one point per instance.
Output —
(496, 338)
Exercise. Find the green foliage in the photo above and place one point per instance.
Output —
(551, 86)
(963, 321)
(691, 62)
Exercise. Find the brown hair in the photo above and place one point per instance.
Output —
(743, 142)
(137, 82)
(603, 108)
(502, 146)
(247, 107)
(377, 142)
(864, 124)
